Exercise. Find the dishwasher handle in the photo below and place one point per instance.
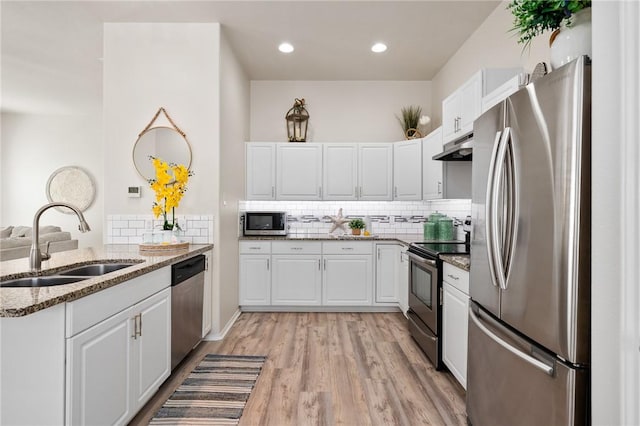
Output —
(186, 269)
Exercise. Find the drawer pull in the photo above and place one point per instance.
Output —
(296, 248)
(347, 248)
(453, 276)
(254, 248)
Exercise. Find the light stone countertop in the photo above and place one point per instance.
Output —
(462, 261)
(20, 301)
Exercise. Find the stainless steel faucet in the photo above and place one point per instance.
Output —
(35, 255)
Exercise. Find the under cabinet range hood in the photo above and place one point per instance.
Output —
(458, 150)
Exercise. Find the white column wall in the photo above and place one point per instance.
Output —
(153, 65)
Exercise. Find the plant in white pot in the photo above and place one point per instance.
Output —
(570, 21)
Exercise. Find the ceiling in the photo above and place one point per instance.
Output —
(52, 50)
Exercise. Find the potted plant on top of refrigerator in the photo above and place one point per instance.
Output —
(570, 21)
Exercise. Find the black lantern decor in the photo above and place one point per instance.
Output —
(297, 119)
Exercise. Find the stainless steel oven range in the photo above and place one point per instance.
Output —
(425, 294)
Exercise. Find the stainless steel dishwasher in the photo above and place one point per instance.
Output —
(187, 288)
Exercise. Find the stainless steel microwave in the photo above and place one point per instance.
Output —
(265, 223)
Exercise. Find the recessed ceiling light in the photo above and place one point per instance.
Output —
(379, 47)
(285, 47)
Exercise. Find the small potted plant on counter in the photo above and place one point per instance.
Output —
(356, 226)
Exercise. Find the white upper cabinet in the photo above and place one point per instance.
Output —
(407, 170)
(506, 89)
(340, 171)
(299, 172)
(260, 170)
(375, 171)
(464, 105)
(432, 186)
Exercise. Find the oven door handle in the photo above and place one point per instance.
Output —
(435, 339)
(421, 260)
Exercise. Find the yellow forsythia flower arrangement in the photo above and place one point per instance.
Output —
(169, 185)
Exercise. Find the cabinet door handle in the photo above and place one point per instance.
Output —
(325, 264)
(273, 192)
(378, 254)
(320, 191)
(439, 187)
(395, 192)
(356, 191)
(135, 327)
(360, 193)
(267, 264)
(140, 326)
(319, 267)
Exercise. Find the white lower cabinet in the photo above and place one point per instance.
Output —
(99, 386)
(207, 306)
(387, 264)
(296, 280)
(306, 273)
(403, 279)
(255, 279)
(115, 366)
(455, 315)
(346, 280)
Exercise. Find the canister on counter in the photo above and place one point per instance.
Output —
(445, 229)
(430, 231)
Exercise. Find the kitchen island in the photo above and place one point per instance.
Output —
(90, 352)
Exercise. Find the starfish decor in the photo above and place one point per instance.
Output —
(338, 222)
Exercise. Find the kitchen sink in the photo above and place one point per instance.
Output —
(95, 269)
(40, 281)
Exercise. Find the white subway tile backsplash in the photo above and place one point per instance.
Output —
(128, 229)
(136, 224)
(411, 214)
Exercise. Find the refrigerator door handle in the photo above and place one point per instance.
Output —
(497, 184)
(525, 357)
(490, 212)
(511, 207)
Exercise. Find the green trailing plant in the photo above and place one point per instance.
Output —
(356, 223)
(410, 116)
(533, 17)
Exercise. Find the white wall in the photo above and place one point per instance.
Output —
(33, 147)
(148, 66)
(492, 45)
(340, 111)
(615, 296)
(234, 100)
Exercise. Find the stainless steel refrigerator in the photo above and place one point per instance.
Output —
(529, 318)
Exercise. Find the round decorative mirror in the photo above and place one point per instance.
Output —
(161, 142)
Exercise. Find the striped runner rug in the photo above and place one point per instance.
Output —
(215, 392)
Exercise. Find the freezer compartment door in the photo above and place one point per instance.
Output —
(512, 382)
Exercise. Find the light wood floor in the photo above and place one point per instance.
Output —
(332, 369)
